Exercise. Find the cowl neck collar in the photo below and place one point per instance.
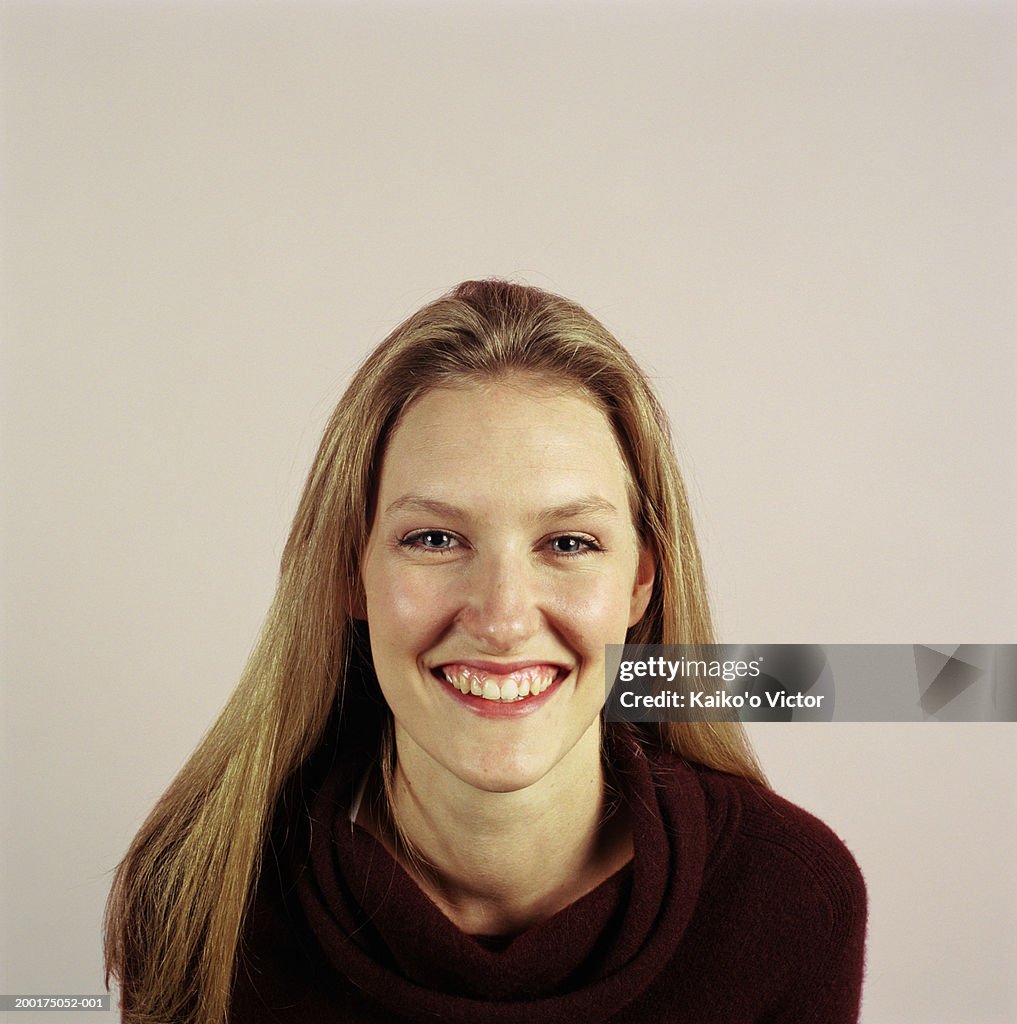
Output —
(378, 928)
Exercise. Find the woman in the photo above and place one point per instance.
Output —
(410, 809)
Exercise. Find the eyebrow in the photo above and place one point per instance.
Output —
(585, 506)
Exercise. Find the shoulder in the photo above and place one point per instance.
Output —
(777, 855)
(777, 829)
(782, 902)
(785, 899)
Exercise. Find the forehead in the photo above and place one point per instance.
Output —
(505, 440)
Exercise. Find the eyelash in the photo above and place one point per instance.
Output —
(413, 542)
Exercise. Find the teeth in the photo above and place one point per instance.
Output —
(527, 682)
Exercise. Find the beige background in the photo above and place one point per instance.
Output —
(800, 217)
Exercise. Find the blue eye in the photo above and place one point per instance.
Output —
(435, 539)
(430, 540)
(569, 545)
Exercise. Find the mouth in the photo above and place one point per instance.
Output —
(502, 684)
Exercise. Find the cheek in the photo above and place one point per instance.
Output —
(404, 605)
(403, 620)
(594, 611)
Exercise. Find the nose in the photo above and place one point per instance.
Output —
(501, 604)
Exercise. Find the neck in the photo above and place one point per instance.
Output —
(497, 863)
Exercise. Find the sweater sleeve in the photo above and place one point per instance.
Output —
(830, 985)
(825, 917)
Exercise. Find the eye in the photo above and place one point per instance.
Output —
(570, 545)
(430, 540)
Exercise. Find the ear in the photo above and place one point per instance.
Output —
(642, 589)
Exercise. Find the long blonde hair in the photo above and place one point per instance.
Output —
(179, 898)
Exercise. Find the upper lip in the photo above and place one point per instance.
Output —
(498, 668)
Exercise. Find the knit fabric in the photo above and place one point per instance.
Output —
(738, 907)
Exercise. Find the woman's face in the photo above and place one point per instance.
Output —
(501, 560)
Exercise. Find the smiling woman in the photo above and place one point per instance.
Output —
(411, 808)
(502, 559)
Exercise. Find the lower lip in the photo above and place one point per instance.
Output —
(500, 708)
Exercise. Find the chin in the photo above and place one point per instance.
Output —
(504, 775)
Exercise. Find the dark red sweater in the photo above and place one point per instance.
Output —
(738, 907)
